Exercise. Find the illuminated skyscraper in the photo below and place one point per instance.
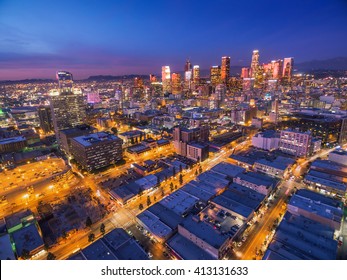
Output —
(187, 66)
(67, 106)
(225, 71)
(165, 78)
(215, 75)
(176, 83)
(277, 69)
(65, 81)
(255, 63)
(288, 65)
(245, 72)
(196, 74)
(152, 78)
(138, 82)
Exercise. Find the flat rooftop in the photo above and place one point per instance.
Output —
(154, 225)
(281, 163)
(203, 231)
(315, 177)
(6, 252)
(116, 245)
(27, 238)
(95, 138)
(179, 201)
(186, 249)
(198, 192)
(228, 169)
(316, 207)
(329, 166)
(12, 140)
(239, 199)
(299, 238)
(256, 178)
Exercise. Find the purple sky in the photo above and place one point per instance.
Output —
(138, 37)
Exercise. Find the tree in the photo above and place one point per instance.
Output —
(91, 237)
(171, 187)
(181, 179)
(148, 201)
(141, 207)
(196, 172)
(200, 169)
(89, 222)
(155, 198)
(102, 229)
(51, 256)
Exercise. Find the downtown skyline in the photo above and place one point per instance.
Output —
(138, 38)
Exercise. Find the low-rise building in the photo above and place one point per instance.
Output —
(27, 241)
(325, 182)
(13, 144)
(316, 207)
(277, 167)
(339, 156)
(300, 238)
(256, 181)
(115, 245)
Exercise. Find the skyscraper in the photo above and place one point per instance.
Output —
(165, 78)
(215, 75)
(288, 65)
(65, 81)
(176, 83)
(255, 63)
(225, 71)
(67, 106)
(187, 66)
(196, 74)
(245, 72)
(45, 117)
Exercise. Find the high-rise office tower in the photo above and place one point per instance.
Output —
(215, 75)
(196, 74)
(288, 64)
(187, 66)
(138, 82)
(245, 72)
(255, 63)
(277, 69)
(65, 81)
(152, 78)
(67, 106)
(165, 78)
(225, 71)
(45, 117)
(176, 83)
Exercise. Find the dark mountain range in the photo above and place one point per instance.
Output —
(337, 63)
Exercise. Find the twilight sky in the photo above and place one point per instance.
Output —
(94, 37)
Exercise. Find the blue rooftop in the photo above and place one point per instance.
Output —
(94, 138)
(186, 249)
(299, 238)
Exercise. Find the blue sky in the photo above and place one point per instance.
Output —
(123, 37)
